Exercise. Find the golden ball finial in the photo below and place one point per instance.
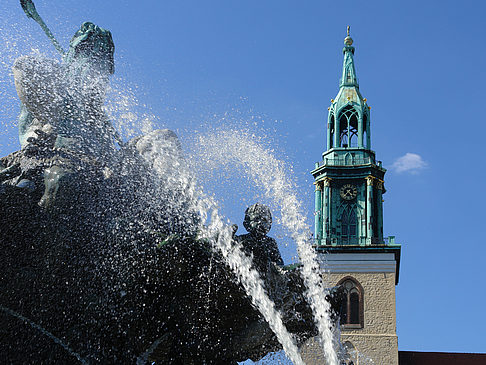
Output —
(348, 40)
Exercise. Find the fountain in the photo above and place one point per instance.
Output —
(111, 252)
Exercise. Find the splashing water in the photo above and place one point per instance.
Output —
(219, 234)
(164, 158)
(229, 147)
(248, 276)
(267, 172)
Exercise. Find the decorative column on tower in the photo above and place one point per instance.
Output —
(379, 196)
(318, 212)
(326, 213)
(369, 209)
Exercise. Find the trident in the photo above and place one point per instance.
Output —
(31, 12)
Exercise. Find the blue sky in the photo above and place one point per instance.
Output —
(271, 68)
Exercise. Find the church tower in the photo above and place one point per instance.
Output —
(349, 185)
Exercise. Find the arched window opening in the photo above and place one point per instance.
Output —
(352, 310)
(365, 130)
(348, 127)
(349, 224)
(354, 306)
(331, 132)
(353, 139)
(344, 138)
(348, 158)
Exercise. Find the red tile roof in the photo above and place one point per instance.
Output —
(440, 358)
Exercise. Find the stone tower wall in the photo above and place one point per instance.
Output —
(377, 342)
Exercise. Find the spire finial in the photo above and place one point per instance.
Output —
(348, 40)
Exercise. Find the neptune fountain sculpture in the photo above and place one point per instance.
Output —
(102, 261)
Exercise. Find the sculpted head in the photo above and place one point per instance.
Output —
(94, 46)
(258, 219)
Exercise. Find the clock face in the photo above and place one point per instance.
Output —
(348, 192)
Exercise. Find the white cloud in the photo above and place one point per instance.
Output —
(410, 162)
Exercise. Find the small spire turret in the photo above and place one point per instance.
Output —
(349, 77)
(348, 121)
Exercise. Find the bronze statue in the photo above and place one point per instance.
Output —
(62, 124)
(258, 221)
(66, 98)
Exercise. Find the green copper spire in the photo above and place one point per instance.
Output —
(348, 119)
(348, 180)
(349, 72)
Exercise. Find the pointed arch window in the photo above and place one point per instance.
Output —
(331, 131)
(349, 220)
(352, 310)
(348, 127)
(365, 131)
